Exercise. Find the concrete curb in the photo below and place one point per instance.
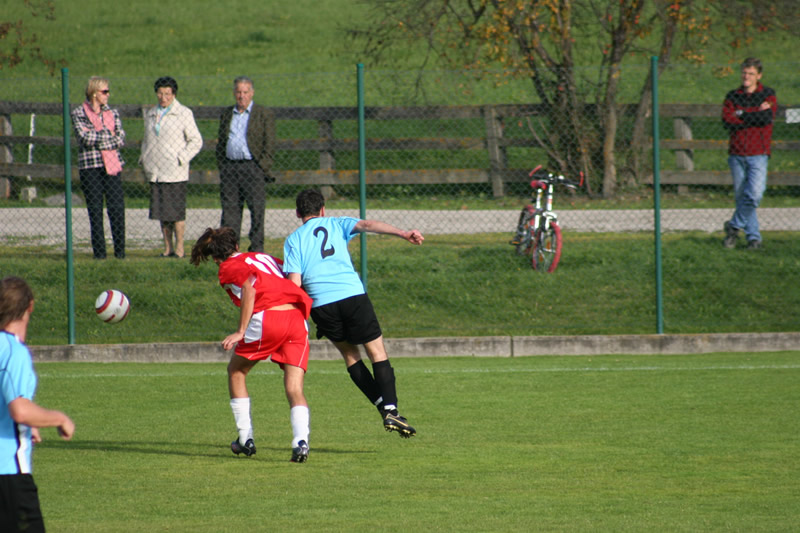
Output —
(208, 352)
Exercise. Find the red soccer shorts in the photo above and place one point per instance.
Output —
(280, 335)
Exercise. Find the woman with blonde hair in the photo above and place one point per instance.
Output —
(100, 136)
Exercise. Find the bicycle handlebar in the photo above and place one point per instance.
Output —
(544, 178)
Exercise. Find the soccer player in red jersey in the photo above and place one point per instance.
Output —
(272, 324)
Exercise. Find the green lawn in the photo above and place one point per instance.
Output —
(456, 285)
(611, 443)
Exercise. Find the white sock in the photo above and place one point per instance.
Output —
(241, 414)
(299, 417)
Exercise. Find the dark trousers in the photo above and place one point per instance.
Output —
(96, 185)
(240, 182)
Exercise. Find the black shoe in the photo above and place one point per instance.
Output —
(395, 422)
(731, 235)
(248, 449)
(300, 454)
(754, 245)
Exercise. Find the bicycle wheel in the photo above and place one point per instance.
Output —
(524, 236)
(546, 248)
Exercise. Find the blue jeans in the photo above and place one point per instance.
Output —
(749, 182)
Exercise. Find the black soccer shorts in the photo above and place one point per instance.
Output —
(19, 504)
(352, 319)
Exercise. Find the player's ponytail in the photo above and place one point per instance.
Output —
(217, 243)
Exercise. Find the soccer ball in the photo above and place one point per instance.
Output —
(112, 306)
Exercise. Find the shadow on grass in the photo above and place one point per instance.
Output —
(186, 449)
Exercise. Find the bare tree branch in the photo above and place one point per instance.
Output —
(540, 40)
(17, 42)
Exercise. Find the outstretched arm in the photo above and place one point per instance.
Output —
(376, 226)
(24, 411)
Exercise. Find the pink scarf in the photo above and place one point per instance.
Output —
(110, 157)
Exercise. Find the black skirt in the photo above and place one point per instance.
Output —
(168, 201)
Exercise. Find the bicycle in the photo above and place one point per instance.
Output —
(538, 232)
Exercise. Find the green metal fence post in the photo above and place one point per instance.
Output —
(68, 206)
(362, 164)
(657, 199)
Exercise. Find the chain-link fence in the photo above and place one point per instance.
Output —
(448, 159)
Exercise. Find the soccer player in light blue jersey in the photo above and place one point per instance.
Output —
(20, 417)
(316, 257)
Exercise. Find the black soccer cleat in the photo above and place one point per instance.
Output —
(248, 449)
(300, 453)
(392, 422)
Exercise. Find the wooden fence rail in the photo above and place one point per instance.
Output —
(684, 144)
(493, 142)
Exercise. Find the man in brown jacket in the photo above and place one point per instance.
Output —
(244, 156)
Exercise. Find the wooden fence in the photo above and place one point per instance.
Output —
(683, 146)
(493, 142)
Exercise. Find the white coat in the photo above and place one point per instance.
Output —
(166, 154)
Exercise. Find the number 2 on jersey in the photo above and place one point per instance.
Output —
(325, 252)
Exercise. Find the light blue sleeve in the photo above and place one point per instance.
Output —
(291, 255)
(347, 224)
(17, 378)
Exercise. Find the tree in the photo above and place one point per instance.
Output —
(17, 42)
(542, 39)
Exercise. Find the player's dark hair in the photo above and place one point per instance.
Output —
(217, 243)
(752, 62)
(15, 298)
(166, 81)
(309, 202)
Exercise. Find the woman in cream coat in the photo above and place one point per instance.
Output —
(171, 140)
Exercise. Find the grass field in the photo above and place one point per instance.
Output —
(610, 443)
(622, 443)
(472, 285)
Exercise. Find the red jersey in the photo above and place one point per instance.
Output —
(265, 274)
